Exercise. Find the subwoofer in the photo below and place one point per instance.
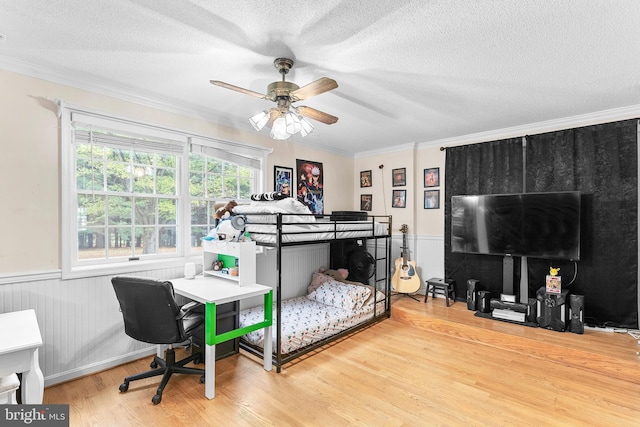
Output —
(353, 256)
(472, 294)
(576, 316)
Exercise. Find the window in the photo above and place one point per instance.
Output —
(137, 194)
(212, 180)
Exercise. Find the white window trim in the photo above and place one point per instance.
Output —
(67, 113)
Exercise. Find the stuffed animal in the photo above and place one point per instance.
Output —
(226, 209)
(339, 275)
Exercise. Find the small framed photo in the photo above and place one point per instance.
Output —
(399, 199)
(365, 179)
(366, 201)
(399, 177)
(432, 199)
(432, 177)
(283, 180)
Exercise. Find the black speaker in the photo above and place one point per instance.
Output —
(532, 310)
(484, 301)
(552, 310)
(472, 294)
(576, 316)
(354, 257)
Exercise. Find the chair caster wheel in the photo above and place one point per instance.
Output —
(201, 379)
(156, 399)
(124, 387)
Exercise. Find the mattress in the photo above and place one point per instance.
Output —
(305, 322)
(319, 230)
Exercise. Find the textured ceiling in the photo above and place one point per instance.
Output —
(408, 71)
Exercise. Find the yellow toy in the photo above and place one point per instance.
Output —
(553, 271)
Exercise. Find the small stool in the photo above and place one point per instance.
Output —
(8, 387)
(441, 286)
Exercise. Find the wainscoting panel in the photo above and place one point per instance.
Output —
(426, 251)
(80, 323)
(82, 328)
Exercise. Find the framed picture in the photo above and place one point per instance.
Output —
(432, 177)
(399, 177)
(310, 190)
(366, 201)
(283, 180)
(432, 199)
(399, 199)
(365, 179)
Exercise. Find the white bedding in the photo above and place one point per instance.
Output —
(328, 308)
(319, 230)
(305, 322)
(299, 225)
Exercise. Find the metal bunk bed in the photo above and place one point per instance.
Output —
(373, 235)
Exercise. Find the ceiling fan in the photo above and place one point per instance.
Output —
(285, 119)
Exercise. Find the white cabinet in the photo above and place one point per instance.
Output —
(243, 252)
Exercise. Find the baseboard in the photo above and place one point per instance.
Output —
(98, 367)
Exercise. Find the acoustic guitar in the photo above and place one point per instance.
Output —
(405, 279)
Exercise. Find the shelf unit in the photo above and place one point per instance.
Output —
(244, 252)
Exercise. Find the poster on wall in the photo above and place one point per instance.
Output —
(310, 185)
(283, 180)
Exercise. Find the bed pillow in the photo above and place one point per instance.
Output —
(290, 205)
(318, 279)
(340, 295)
(259, 214)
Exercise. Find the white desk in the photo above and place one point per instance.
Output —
(212, 291)
(19, 342)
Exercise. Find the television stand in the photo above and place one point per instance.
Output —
(507, 275)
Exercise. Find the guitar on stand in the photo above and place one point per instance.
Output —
(405, 280)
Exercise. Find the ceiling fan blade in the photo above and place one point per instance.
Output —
(237, 88)
(321, 85)
(318, 115)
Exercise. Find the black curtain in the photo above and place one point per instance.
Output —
(599, 161)
(489, 168)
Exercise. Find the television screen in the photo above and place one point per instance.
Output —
(539, 225)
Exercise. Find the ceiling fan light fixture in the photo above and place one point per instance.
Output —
(279, 129)
(259, 120)
(305, 126)
(293, 123)
(284, 119)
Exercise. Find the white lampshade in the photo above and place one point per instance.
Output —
(279, 129)
(293, 123)
(259, 120)
(306, 126)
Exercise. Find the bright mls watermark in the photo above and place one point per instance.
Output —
(34, 415)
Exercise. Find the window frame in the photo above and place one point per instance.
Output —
(71, 267)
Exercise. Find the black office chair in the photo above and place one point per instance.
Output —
(152, 315)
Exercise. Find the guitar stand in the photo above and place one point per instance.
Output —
(405, 295)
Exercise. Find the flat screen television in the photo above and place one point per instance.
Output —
(538, 225)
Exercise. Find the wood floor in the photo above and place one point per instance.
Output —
(428, 365)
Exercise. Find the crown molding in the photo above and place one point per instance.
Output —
(589, 119)
(391, 149)
(180, 107)
(101, 87)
